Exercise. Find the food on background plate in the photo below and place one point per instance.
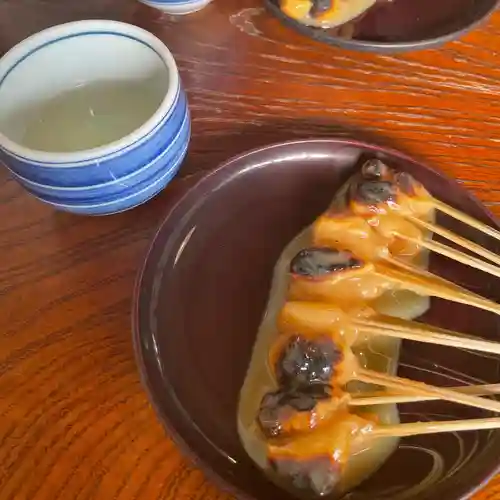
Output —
(325, 13)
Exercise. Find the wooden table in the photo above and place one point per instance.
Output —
(74, 420)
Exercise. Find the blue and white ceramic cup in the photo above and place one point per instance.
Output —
(177, 7)
(93, 117)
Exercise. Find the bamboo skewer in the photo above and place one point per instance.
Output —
(466, 219)
(425, 283)
(455, 238)
(421, 389)
(454, 293)
(435, 338)
(420, 428)
(427, 275)
(325, 318)
(394, 397)
(409, 331)
(453, 254)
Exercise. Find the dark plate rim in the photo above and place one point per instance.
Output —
(376, 47)
(192, 185)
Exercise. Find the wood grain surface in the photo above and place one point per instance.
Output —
(74, 421)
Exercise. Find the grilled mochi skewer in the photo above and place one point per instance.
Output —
(314, 462)
(311, 400)
(299, 361)
(308, 425)
(312, 368)
(387, 216)
(388, 396)
(325, 13)
(312, 371)
(323, 274)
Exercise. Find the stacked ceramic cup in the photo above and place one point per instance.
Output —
(177, 7)
(93, 117)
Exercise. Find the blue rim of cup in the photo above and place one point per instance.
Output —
(28, 47)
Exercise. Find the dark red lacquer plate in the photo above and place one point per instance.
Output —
(400, 25)
(204, 287)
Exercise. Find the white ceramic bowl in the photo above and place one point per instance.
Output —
(92, 112)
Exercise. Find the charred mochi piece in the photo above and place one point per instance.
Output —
(304, 362)
(319, 262)
(374, 184)
(287, 411)
(373, 192)
(374, 169)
